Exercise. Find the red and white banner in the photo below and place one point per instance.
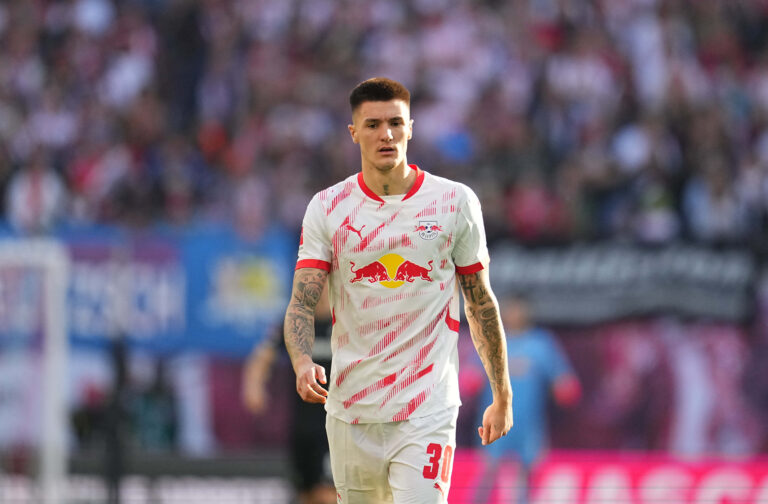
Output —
(600, 478)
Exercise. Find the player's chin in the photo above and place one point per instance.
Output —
(385, 166)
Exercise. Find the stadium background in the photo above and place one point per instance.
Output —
(619, 148)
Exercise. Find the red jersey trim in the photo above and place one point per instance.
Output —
(313, 263)
(366, 189)
(414, 189)
(417, 184)
(468, 270)
(453, 324)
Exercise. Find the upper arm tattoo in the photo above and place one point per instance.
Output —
(308, 286)
(480, 306)
(300, 316)
(475, 289)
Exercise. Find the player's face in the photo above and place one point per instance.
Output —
(514, 314)
(382, 129)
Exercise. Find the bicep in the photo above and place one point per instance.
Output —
(476, 289)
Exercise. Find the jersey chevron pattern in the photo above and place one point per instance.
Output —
(392, 263)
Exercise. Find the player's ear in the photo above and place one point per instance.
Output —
(352, 132)
(410, 129)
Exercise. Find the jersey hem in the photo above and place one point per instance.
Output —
(360, 420)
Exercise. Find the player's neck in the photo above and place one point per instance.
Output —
(397, 180)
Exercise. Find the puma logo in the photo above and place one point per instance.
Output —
(441, 490)
(358, 232)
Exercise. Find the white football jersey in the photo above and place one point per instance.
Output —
(392, 263)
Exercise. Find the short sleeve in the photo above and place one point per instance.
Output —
(470, 253)
(314, 246)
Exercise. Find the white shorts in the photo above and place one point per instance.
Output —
(406, 462)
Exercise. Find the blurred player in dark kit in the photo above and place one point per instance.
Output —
(308, 444)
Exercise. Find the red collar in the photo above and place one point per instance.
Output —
(416, 185)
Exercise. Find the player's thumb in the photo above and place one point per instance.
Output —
(320, 374)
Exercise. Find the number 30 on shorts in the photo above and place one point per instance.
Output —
(436, 451)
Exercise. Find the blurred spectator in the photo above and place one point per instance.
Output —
(154, 412)
(52, 125)
(36, 197)
(617, 105)
(117, 421)
(655, 208)
(182, 178)
(250, 202)
(711, 205)
(534, 212)
(88, 418)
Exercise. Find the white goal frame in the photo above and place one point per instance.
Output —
(52, 258)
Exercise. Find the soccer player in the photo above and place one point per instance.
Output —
(394, 243)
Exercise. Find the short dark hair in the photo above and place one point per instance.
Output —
(378, 89)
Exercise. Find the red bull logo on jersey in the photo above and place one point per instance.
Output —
(374, 272)
(428, 230)
(409, 271)
(391, 271)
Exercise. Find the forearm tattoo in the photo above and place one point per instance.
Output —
(300, 316)
(482, 312)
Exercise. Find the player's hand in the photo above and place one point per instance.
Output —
(309, 376)
(497, 421)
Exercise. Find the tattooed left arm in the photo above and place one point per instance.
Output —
(485, 326)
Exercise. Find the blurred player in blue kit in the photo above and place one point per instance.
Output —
(308, 448)
(539, 370)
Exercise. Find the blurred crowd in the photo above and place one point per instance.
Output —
(643, 120)
(637, 120)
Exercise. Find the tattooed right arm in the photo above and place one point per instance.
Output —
(299, 332)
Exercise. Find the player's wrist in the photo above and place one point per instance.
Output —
(503, 398)
(301, 362)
